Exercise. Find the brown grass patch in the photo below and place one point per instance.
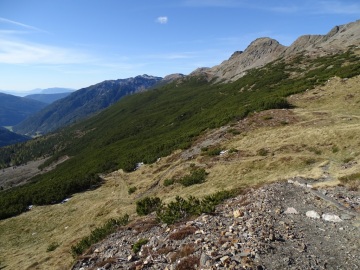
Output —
(188, 263)
(182, 233)
(351, 182)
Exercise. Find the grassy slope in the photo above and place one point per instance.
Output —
(320, 123)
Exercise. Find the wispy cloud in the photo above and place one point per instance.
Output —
(15, 49)
(22, 25)
(162, 20)
(20, 52)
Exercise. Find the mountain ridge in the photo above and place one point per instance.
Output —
(48, 98)
(83, 103)
(264, 50)
(14, 109)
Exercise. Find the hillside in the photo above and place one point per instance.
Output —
(7, 137)
(82, 104)
(314, 141)
(15, 109)
(48, 98)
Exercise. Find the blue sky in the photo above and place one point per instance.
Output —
(77, 43)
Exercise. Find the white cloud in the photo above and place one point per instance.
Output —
(20, 52)
(16, 50)
(162, 20)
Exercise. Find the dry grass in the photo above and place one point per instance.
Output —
(319, 135)
(182, 233)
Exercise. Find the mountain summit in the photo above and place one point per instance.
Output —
(265, 50)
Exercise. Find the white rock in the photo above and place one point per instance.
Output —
(312, 214)
(291, 210)
(331, 217)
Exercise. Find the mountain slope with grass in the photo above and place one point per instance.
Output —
(14, 109)
(83, 103)
(7, 137)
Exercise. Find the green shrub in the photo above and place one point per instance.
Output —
(197, 176)
(233, 150)
(52, 247)
(137, 246)
(131, 190)
(263, 152)
(98, 234)
(169, 182)
(147, 205)
(181, 208)
(310, 161)
(314, 150)
(352, 181)
(234, 131)
(211, 151)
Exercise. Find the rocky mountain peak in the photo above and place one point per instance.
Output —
(338, 39)
(260, 52)
(265, 50)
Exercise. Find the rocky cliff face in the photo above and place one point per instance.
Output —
(258, 53)
(338, 39)
(265, 50)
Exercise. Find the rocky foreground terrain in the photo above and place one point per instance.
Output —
(283, 225)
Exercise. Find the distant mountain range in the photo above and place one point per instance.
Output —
(14, 109)
(7, 137)
(48, 98)
(52, 90)
(83, 103)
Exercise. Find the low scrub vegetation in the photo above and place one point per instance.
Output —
(197, 176)
(352, 181)
(147, 205)
(181, 208)
(131, 190)
(52, 246)
(98, 234)
(137, 246)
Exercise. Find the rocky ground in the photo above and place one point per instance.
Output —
(284, 225)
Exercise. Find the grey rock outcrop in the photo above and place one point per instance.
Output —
(265, 50)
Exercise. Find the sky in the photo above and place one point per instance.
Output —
(78, 43)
